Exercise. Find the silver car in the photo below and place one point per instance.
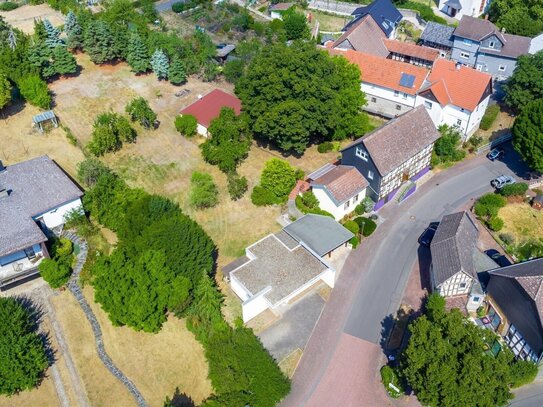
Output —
(502, 181)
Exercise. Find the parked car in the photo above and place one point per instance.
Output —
(427, 236)
(495, 154)
(499, 258)
(502, 181)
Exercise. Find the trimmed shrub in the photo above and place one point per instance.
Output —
(352, 226)
(8, 6)
(310, 200)
(489, 204)
(237, 186)
(522, 372)
(495, 223)
(186, 125)
(489, 117)
(54, 272)
(366, 225)
(516, 189)
(359, 209)
(35, 91)
(355, 241)
(61, 248)
(325, 147)
(262, 197)
(389, 376)
(306, 209)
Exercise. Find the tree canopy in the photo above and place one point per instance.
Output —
(526, 83)
(290, 104)
(22, 351)
(295, 25)
(446, 364)
(5, 90)
(520, 17)
(528, 134)
(229, 142)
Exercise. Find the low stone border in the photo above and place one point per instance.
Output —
(73, 286)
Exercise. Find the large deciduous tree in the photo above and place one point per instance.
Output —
(526, 83)
(528, 134)
(295, 25)
(296, 94)
(229, 142)
(521, 17)
(22, 351)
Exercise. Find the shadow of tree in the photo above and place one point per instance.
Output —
(179, 400)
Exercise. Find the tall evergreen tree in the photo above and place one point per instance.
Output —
(5, 90)
(40, 56)
(99, 43)
(137, 54)
(64, 62)
(160, 64)
(207, 300)
(74, 34)
(176, 73)
(53, 35)
(39, 30)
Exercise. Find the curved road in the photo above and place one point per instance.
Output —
(341, 360)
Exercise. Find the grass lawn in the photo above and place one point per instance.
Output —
(23, 17)
(521, 221)
(327, 21)
(44, 395)
(501, 126)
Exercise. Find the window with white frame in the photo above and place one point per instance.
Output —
(491, 44)
(428, 105)
(502, 68)
(355, 199)
(370, 174)
(462, 285)
(396, 93)
(361, 153)
(459, 122)
(464, 55)
(346, 205)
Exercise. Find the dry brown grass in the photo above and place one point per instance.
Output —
(44, 395)
(501, 126)
(23, 17)
(522, 221)
(289, 364)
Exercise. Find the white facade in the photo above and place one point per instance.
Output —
(467, 122)
(472, 8)
(459, 284)
(326, 203)
(385, 101)
(55, 216)
(21, 261)
(201, 130)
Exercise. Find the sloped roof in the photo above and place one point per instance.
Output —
(398, 140)
(364, 35)
(438, 34)
(342, 182)
(280, 6)
(322, 234)
(209, 106)
(478, 29)
(35, 186)
(412, 50)
(452, 247)
(517, 290)
(458, 85)
(385, 72)
(382, 11)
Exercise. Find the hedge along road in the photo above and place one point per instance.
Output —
(372, 282)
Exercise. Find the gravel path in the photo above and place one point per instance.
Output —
(73, 286)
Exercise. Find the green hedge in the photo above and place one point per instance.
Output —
(369, 225)
(388, 376)
(352, 226)
(8, 6)
(262, 197)
(305, 209)
(489, 117)
(516, 189)
(325, 147)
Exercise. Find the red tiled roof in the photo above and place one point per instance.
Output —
(343, 182)
(412, 50)
(384, 72)
(458, 85)
(209, 107)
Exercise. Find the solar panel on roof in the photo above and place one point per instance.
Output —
(407, 80)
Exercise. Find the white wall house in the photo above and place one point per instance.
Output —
(338, 188)
(459, 8)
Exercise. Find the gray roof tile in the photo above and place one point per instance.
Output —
(438, 34)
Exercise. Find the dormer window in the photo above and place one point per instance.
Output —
(491, 44)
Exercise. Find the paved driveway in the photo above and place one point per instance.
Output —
(293, 330)
(374, 278)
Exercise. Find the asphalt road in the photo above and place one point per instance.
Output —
(378, 271)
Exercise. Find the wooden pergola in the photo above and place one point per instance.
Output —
(48, 116)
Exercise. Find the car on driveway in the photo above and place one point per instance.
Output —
(495, 154)
(499, 258)
(426, 238)
(502, 180)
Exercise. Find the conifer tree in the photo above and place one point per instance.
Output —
(99, 42)
(53, 35)
(176, 73)
(160, 64)
(74, 34)
(39, 30)
(207, 300)
(64, 62)
(5, 90)
(137, 56)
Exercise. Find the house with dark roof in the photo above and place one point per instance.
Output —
(456, 95)
(480, 44)
(437, 36)
(461, 8)
(35, 195)
(208, 107)
(338, 188)
(390, 86)
(383, 12)
(281, 266)
(394, 156)
(515, 307)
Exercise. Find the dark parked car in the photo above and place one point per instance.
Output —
(501, 181)
(495, 154)
(426, 238)
(499, 258)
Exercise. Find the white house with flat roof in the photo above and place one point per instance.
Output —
(35, 196)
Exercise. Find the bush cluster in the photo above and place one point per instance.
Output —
(203, 191)
(487, 208)
(308, 203)
(389, 376)
(516, 189)
(366, 225)
(489, 117)
(237, 186)
(110, 131)
(325, 147)
(186, 125)
(8, 6)
(426, 12)
(58, 269)
(277, 180)
(139, 110)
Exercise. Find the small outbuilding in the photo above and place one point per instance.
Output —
(41, 119)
